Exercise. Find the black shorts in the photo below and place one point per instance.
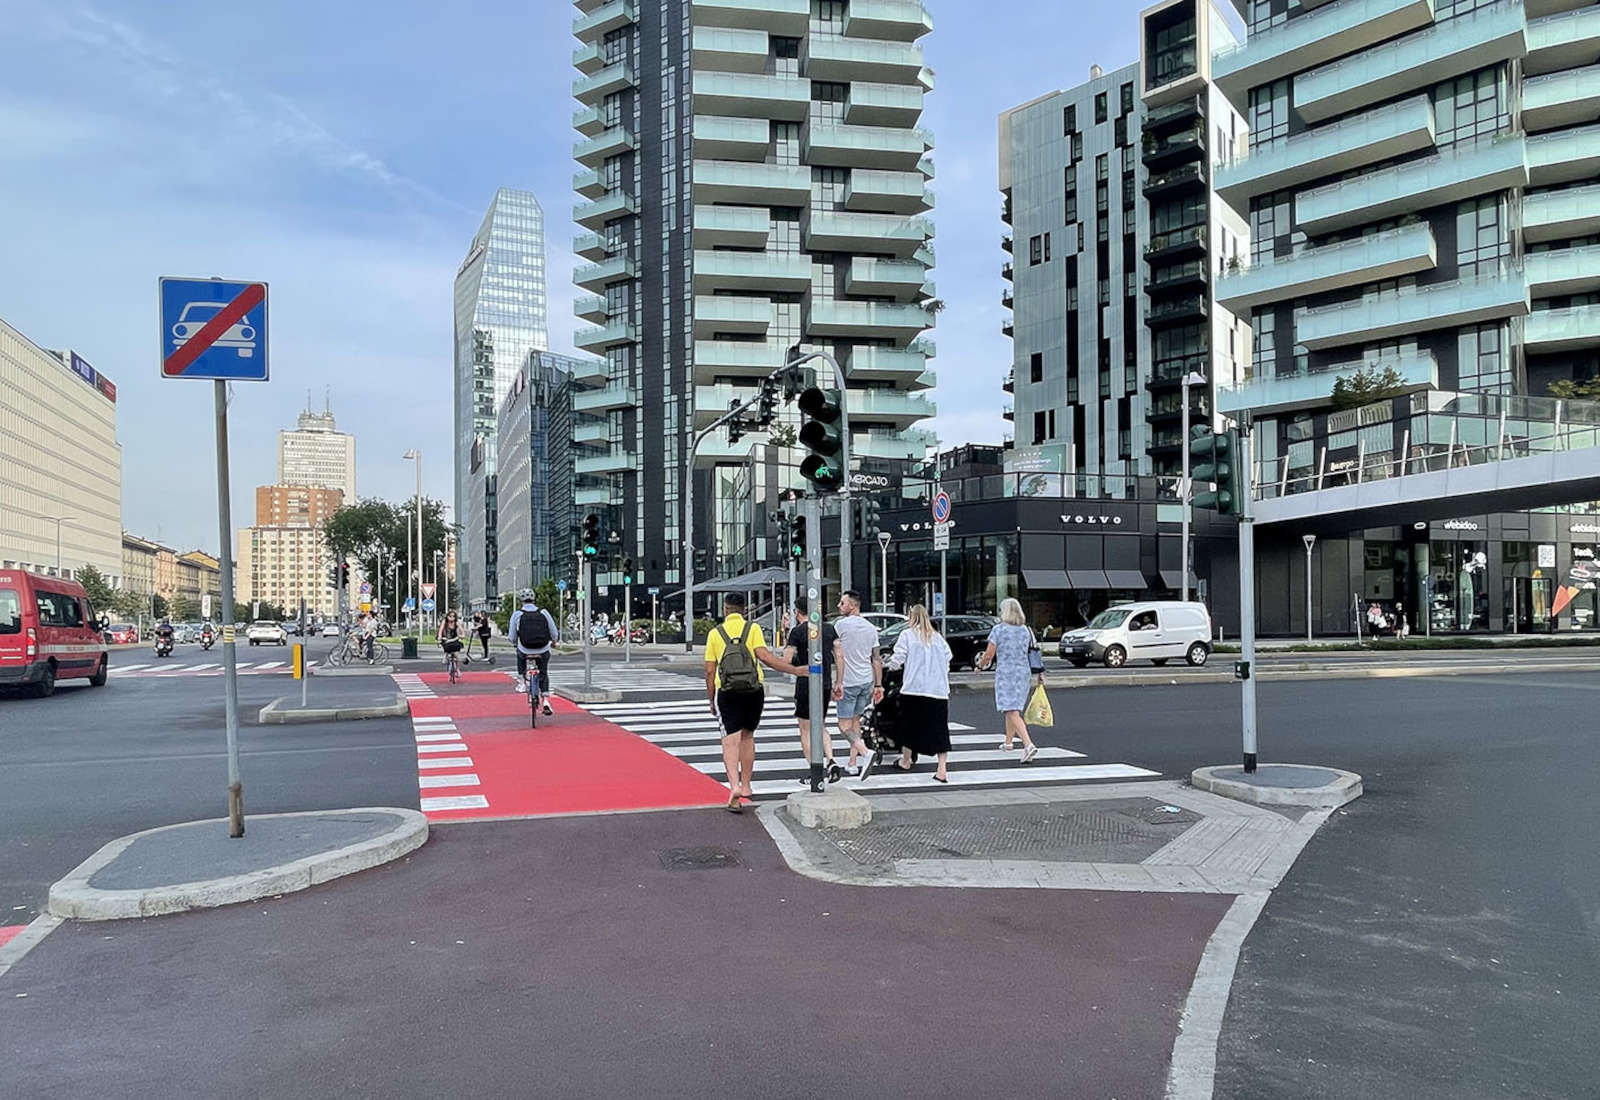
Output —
(740, 710)
(802, 700)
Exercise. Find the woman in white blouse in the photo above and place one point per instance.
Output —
(924, 725)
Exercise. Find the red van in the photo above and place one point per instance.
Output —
(48, 632)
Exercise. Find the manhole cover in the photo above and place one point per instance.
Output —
(697, 859)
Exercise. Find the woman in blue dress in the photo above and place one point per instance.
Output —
(1007, 653)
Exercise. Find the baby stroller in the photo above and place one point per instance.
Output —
(878, 725)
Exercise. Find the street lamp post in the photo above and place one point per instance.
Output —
(59, 521)
(1193, 378)
(1310, 541)
(883, 560)
(416, 454)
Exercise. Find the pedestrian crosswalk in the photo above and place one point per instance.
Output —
(687, 730)
(412, 687)
(568, 673)
(166, 669)
(443, 766)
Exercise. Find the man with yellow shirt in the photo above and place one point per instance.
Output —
(735, 652)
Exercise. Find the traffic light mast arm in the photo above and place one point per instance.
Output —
(844, 455)
(686, 528)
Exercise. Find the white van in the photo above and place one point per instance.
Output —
(1155, 631)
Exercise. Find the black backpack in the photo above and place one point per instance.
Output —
(533, 629)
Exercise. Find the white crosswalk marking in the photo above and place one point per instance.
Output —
(438, 763)
(453, 745)
(686, 729)
(437, 782)
(412, 687)
(165, 671)
(455, 802)
(422, 738)
(618, 678)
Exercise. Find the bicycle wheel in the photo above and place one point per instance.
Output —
(339, 656)
(533, 700)
(380, 654)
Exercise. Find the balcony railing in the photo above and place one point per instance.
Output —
(1494, 295)
(1456, 172)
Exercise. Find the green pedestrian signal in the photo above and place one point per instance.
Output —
(797, 537)
(1213, 460)
(591, 535)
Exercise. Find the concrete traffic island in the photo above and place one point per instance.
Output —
(1307, 786)
(353, 670)
(834, 808)
(196, 865)
(580, 696)
(287, 710)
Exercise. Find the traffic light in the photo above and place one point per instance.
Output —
(769, 402)
(344, 574)
(627, 570)
(794, 382)
(819, 434)
(871, 513)
(1212, 458)
(701, 559)
(797, 537)
(591, 535)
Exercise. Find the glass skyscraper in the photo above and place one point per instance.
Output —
(499, 319)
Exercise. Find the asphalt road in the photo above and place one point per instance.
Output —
(91, 764)
(1441, 937)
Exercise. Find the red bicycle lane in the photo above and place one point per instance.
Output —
(478, 758)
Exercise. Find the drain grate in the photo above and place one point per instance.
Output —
(697, 859)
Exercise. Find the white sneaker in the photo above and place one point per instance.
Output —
(522, 686)
(1006, 746)
(1029, 753)
(547, 708)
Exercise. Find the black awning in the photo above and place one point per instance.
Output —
(1130, 579)
(1088, 579)
(1173, 579)
(1045, 580)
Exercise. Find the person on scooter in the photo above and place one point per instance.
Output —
(164, 637)
(206, 637)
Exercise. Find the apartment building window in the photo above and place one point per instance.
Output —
(1104, 291)
(1100, 108)
(1047, 248)
(1472, 106)
(1070, 199)
(1449, 9)
(1069, 119)
(1102, 168)
(1270, 225)
(1264, 353)
(1482, 240)
(1077, 148)
(1269, 113)
(1038, 427)
(1036, 367)
(1485, 366)
(1072, 298)
(1264, 14)
(1127, 98)
(1035, 250)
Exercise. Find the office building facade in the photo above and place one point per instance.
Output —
(316, 453)
(753, 176)
(499, 318)
(60, 462)
(1418, 179)
(536, 455)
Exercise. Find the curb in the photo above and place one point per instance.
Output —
(73, 898)
(578, 695)
(1284, 675)
(1345, 787)
(273, 713)
(364, 670)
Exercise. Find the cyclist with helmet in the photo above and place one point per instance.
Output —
(534, 632)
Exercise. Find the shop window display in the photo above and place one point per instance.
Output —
(1459, 593)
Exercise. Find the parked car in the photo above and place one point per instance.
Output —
(1154, 631)
(266, 632)
(48, 632)
(122, 634)
(330, 630)
(968, 635)
(883, 620)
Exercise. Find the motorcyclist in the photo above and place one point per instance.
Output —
(164, 636)
(206, 637)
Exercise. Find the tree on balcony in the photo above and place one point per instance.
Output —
(1568, 390)
(1366, 386)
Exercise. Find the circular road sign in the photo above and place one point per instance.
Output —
(941, 507)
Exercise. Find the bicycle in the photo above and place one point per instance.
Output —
(351, 649)
(453, 663)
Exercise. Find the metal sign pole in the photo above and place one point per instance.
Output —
(230, 655)
(1247, 597)
(811, 509)
(584, 603)
(627, 624)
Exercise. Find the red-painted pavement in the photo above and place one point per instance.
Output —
(9, 933)
(574, 762)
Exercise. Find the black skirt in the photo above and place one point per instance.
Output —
(924, 725)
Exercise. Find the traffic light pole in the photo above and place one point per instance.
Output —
(584, 598)
(627, 622)
(1247, 596)
(811, 509)
(687, 528)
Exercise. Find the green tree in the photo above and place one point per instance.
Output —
(101, 596)
(502, 618)
(1366, 386)
(182, 609)
(1569, 390)
(373, 531)
(158, 606)
(547, 596)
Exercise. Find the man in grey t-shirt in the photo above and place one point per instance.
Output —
(861, 672)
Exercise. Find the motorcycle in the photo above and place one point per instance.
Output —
(207, 640)
(164, 646)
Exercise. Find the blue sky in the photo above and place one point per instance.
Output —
(345, 153)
